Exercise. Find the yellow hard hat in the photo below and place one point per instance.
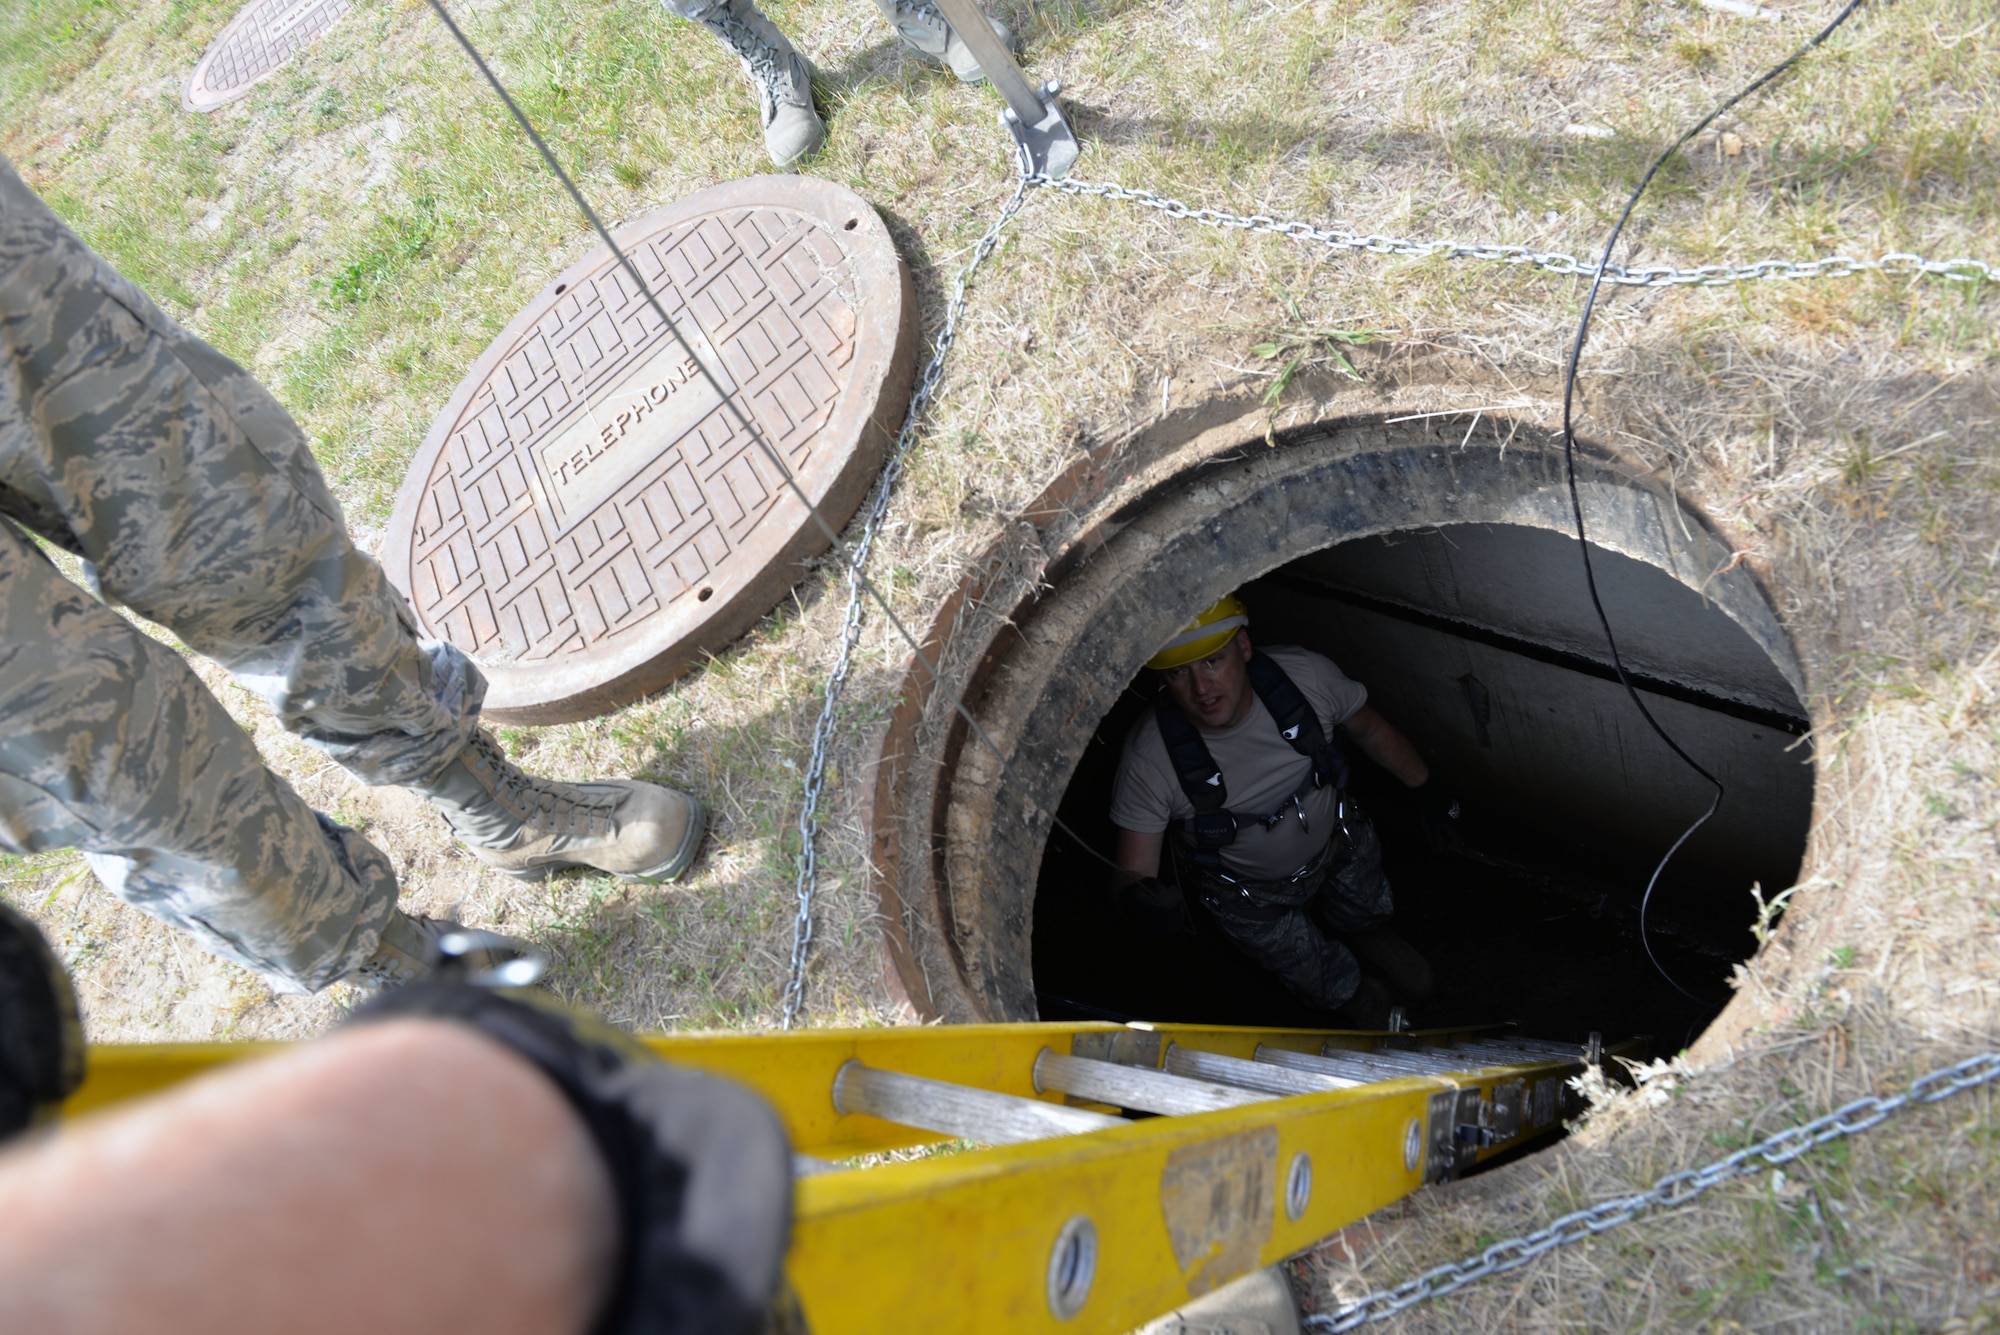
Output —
(1203, 635)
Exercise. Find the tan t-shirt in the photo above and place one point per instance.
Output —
(1259, 767)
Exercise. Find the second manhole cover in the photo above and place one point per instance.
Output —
(586, 518)
(256, 43)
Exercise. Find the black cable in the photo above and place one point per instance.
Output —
(1576, 500)
(743, 419)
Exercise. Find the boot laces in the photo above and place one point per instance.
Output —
(376, 972)
(773, 75)
(543, 804)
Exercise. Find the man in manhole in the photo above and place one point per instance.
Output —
(1241, 761)
(192, 499)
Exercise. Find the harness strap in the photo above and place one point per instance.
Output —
(1266, 901)
(1213, 826)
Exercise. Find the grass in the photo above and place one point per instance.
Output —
(360, 227)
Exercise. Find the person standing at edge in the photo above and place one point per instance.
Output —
(783, 77)
(1241, 759)
(193, 500)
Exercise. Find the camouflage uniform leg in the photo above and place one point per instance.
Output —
(1356, 896)
(109, 744)
(1314, 967)
(193, 494)
(137, 446)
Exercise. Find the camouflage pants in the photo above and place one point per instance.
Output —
(1293, 928)
(193, 497)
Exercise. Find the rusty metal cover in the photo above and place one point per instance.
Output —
(585, 518)
(257, 44)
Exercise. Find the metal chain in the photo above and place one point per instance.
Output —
(1673, 1189)
(850, 631)
(1551, 261)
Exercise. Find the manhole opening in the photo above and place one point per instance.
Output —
(1478, 642)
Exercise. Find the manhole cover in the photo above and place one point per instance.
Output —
(586, 518)
(256, 44)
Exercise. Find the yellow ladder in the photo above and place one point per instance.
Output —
(1071, 1217)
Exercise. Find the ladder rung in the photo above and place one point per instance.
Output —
(1139, 1087)
(1524, 1049)
(1354, 1065)
(1415, 1061)
(958, 1110)
(1252, 1075)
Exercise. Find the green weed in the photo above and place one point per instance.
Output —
(1298, 346)
(400, 242)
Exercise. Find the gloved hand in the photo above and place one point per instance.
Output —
(1154, 907)
(1439, 803)
(1442, 812)
(41, 1043)
(701, 1166)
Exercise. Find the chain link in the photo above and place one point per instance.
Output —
(850, 626)
(1550, 261)
(1671, 1190)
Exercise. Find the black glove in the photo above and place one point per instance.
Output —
(701, 1166)
(41, 1043)
(1154, 907)
(1442, 813)
(1439, 803)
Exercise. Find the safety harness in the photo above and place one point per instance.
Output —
(1213, 826)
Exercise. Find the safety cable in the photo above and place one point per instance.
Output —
(729, 401)
(1576, 499)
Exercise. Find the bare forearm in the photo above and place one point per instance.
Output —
(1382, 743)
(396, 1177)
(1138, 856)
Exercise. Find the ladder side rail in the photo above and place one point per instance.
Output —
(1120, 1224)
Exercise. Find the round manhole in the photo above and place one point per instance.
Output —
(587, 518)
(256, 44)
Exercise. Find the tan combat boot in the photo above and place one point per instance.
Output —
(532, 828)
(783, 77)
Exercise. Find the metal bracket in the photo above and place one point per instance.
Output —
(1459, 1122)
(1548, 1101)
(1476, 1138)
(1476, 1123)
(1440, 1152)
(1509, 1098)
(1043, 142)
(1048, 146)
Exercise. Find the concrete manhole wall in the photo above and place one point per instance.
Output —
(958, 838)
